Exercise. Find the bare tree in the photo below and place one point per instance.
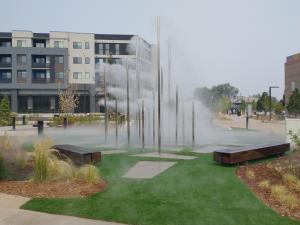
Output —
(68, 101)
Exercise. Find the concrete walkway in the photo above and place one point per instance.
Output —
(10, 214)
(165, 156)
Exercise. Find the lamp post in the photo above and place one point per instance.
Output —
(270, 99)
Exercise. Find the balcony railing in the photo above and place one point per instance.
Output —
(41, 81)
(5, 80)
(5, 65)
(40, 65)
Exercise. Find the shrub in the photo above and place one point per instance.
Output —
(60, 170)
(290, 179)
(250, 174)
(278, 191)
(4, 112)
(89, 173)
(289, 200)
(42, 157)
(265, 184)
(3, 171)
(5, 143)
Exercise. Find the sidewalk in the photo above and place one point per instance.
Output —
(10, 214)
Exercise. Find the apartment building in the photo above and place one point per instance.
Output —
(35, 67)
(292, 75)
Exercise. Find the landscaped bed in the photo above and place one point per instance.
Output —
(276, 183)
(192, 192)
(50, 189)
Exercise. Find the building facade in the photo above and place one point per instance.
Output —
(292, 75)
(35, 67)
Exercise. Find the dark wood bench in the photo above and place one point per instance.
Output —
(236, 155)
(79, 155)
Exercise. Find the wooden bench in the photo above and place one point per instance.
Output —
(79, 155)
(236, 155)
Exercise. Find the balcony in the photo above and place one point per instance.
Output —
(40, 65)
(5, 65)
(5, 80)
(41, 81)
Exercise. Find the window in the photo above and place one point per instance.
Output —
(6, 75)
(77, 45)
(21, 76)
(293, 85)
(39, 45)
(59, 75)
(77, 60)
(77, 75)
(106, 49)
(59, 59)
(117, 47)
(87, 75)
(6, 59)
(87, 45)
(101, 49)
(21, 60)
(87, 60)
(21, 43)
(58, 44)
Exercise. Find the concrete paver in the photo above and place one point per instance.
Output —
(147, 169)
(165, 155)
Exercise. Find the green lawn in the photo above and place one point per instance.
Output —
(191, 192)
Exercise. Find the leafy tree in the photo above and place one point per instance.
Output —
(293, 105)
(278, 108)
(263, 103)
(254, 105)
(224, 90)
(223, 105)
(204, 94)
(4, 112)
(243, 105)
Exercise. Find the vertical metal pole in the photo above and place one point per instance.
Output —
(139, 118)
(176, 129)
(143, 125)
(270, 99)
(153, 118)
(193, 124)
(158, 85)
(105, 104)
(169, 71)
(137, 66)
(117, 122)
(128, 109)
(183, 125)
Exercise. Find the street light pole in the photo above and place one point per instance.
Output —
(270, 100)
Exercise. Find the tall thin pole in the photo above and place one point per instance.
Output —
(183, 125)
(117, 122)
(169, 71)
(176, 129)
(105, 105)
(158, 85)
(137, 67)
(128, 109)
(270, 100)
(193, 124)
(139, 118)
(153, 118)
(143, 125)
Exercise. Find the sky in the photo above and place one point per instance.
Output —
(243, 42)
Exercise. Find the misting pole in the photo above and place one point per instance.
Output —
(128, 109)
(105, 104)
(117, 122)
(193, 124)
(158, 85)
(143, 125)
(183, 125)
(153, 118)
(176, 129)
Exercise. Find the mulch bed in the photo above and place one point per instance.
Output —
(265, 171)
(54, 189)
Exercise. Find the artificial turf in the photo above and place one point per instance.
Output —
(192, 192)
